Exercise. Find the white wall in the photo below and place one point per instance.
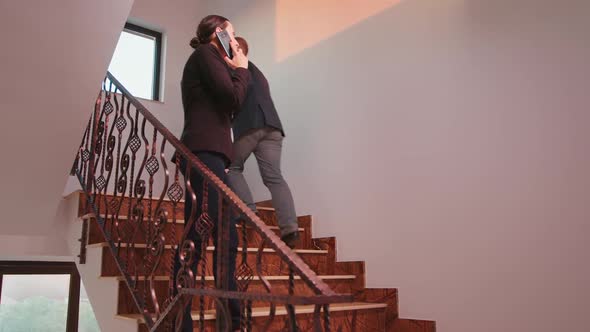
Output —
(35, 247)
(178, 22)
(52, 75)
(53, 59)
(445, 143)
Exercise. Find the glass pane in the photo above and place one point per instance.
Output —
(133, 64)
(34, 303)
(86, 322)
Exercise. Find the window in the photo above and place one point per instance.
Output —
(43, 296)
(136, 61)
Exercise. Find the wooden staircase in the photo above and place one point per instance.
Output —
(372, 310)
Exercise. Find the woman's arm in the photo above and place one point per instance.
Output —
(228, 89)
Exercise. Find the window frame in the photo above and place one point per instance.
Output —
(49, 268)
(157, 36)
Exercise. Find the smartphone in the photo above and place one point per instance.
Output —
(224, 40)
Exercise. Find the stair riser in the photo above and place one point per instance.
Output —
(272, 263)
(126, 227)
(126, 306)
(381, 295)
(124, 206)
(412, 325)
(342, 321)
(268, 216)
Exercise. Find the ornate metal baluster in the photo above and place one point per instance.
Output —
(317, 318)
(204, 228)
(158, 243)
(107, 165)
(245, 275)
(266, 284)
(120, 124)
(81, 162)
(95, 149)
(175, 194)
(122, 181)
(101, 181)
(290, 308)
(223, 315)
(202, 284)
(85, 154)
(137, 217)
(140, 190)
(249, 316)
(327, 317)
(185, 277)
(150, 234)
(186, 252)
(222, 248)
(89, 181)
(135, 207)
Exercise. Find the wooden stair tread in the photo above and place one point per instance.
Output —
(212, 248)
(165, 199)
(178, 221)
(256, 278)
(281, 311)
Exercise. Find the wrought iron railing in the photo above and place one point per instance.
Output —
(134, 193)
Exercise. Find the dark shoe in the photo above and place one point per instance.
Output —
(291, 239)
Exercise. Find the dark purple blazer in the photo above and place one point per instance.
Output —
(211, 95)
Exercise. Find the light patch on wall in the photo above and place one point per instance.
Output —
(301, 24)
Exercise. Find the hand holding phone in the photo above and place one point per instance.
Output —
(225, 40)
(239, 59)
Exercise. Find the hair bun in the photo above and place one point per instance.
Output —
(195, 42)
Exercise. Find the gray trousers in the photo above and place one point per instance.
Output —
(266, 144)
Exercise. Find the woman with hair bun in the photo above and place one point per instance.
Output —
(213, 90)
